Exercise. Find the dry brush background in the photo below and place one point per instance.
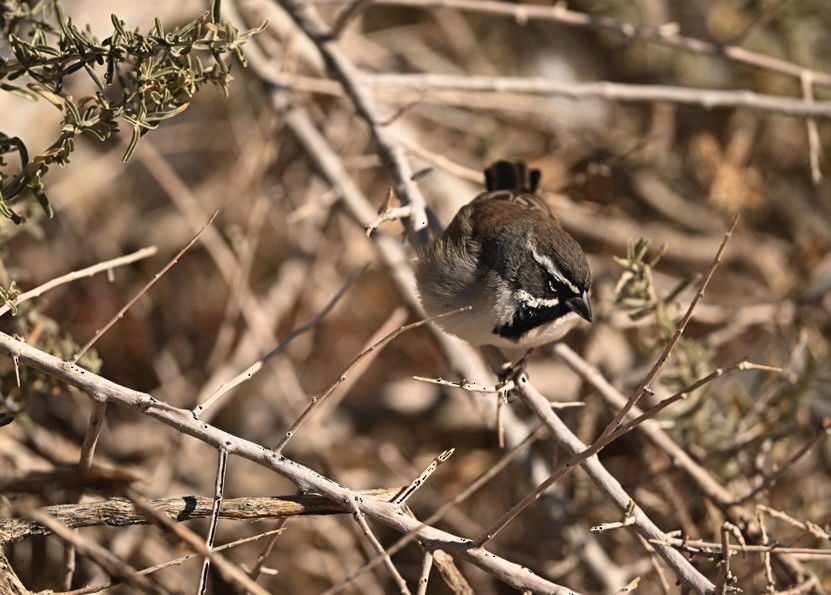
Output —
(669, 151)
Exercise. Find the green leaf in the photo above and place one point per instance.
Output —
(43, 201)
(24, 93)
(131, 147)
(169, 114)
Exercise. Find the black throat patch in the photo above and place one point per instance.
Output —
(527, 318)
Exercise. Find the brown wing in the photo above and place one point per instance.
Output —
(527, 200)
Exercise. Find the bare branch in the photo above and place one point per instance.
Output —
(251, 370)
(388, 147)
(667, 351)
(424, 577)
(120, 314)
(175, 562)
(663, 35)
(318, 401)
(108, 561)
(107, 265)
(771, 479)
(379, 549)
(705, 98)
(219, 492)
(121, 512)
(183, 421)
(408, 491)
(227, 569)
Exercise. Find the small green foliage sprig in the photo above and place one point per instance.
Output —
(636, 289)
(140, 80)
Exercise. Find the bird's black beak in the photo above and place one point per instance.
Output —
(581, 306)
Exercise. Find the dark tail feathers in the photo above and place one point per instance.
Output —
(506, 175)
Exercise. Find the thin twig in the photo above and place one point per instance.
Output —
(219, 492)
(424, 577)
(147, 286)
(772, 478)
(228, 570)
(109, 562)
(809, 527)
(96, 421)
(107, 265)
(408, 491)
(251, 370)
(347, 14)
(387, 146)
(268, 546)
(656, 564)
(94, 426)
(388, 214)
(627, 521)
(633, 584)
(814, 143)
(175, 562)
(379, 549)
(762, 19)
(318, 401)
(727, 577)
(463, 495)
(650, 413)
(700, 546)
(598, 445)
(469, 386)
(770, 586)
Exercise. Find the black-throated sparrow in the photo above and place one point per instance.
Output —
(506, 255)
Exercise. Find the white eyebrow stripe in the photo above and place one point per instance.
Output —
(551, 268)
(535, 302)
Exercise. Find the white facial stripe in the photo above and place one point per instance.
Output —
(551, 268)
(534, 302)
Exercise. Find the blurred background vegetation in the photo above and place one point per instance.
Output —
(614, 172)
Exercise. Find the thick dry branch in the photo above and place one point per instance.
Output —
(665, 35)
(705, 98)
(461, 496)
(183, 421)
(9, 582)
(388, 147)
(567, 440)
(604, 440)
(121, 512)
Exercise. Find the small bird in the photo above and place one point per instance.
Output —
(506, 255)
